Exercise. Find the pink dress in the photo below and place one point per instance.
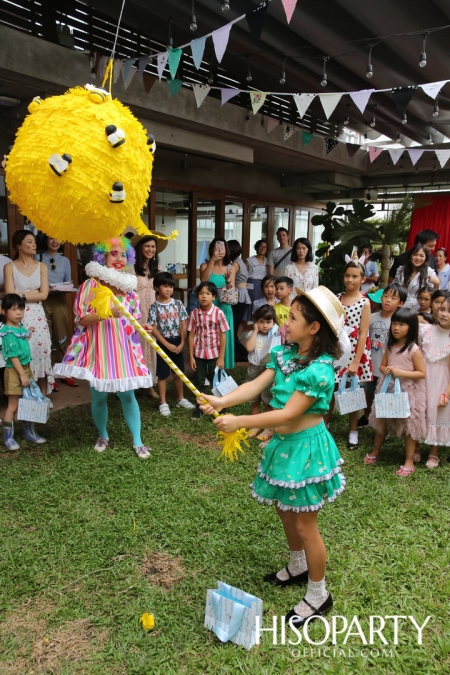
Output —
(436, 352)
(414, 425)
(353, 322)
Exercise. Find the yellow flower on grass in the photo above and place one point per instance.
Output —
(147, 621)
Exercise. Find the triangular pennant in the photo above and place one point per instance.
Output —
(415, 154)
(148, 80)
(402, 96)
(374, 153)
(128, 72)
(433, 88)
(361, 98)
(329, 103)
(255, 20)
(142, 64)
(198, 49)
(289, 131)
(352, 149)
(118, 63)
(443, 157)
(227, 93)
(161, 61)
(330, 144)
(306, 138)
(174, 86)
(101, 65)
(220, 40)
(289, 6)
(174, 56)
(257, 99)
(201, 91)
(395, 154)
(271, 124)
(303, 101)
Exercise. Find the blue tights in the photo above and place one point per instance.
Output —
(130, 409)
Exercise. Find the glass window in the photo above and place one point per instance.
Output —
(207, 216)
(301, 224)
(259, 216)
(281, 220)
(234, 217)
(172, 213)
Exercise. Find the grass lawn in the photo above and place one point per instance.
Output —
(91, 541)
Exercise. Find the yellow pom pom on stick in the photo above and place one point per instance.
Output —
(148, 621)
(101, 304)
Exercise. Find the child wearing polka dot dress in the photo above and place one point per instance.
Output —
(357, 310)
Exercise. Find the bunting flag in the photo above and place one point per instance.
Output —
(289, 131)
(198, 49)
(142, 65)
(443, 156)
(128, 72)
(148, 80)
(329, 103)
(303, 101)
(174, 86)
(271, 124)
(289, 6)
(161, 61)
(352, 149)
(255, 20)
(374, 153)
(201, 91)
(174, 56)
(220, 40)
(402, 96)
(395, 154)
(361, 98)
(433, 88)
(330, 144)
(257, 99)
(306, 138)
(100, 66)
(118, 63)
(415, 154)
(226, 94)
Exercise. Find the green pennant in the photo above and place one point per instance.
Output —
(174, 86)
(174, 56)
(306, 138)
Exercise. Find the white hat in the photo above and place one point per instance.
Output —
(328, 305)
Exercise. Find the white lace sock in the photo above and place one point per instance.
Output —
(353, 437)
(297, 564)
(316, 595)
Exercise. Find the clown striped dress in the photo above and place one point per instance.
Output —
(108, 354)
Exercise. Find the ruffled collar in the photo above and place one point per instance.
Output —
(19, 332)
(293, 364)
(124, 281)
(435, 342)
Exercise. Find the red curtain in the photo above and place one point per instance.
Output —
(432, 212)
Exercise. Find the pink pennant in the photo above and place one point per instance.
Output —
(271, 124)
(289, 6)
(220, 40)
(374, 152)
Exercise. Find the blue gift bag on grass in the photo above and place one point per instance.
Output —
(231, 614)
(33, 406)
(223, 384)
(392, 404)
(352, 399)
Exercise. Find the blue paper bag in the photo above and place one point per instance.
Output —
(231, 614)
(223, 384)
(349, 400)
(33, 406)
(392, 404)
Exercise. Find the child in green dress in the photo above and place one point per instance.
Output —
(300, 467)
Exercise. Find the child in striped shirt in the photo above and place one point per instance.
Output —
(207, 328)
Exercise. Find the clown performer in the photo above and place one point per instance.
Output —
(300, 467)
(107, 352)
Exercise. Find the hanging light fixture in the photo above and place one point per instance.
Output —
(210, 76)
(262, 121)
(399, 138)
(249, 77)
(283, 72)
(436, 107)
(404, 119)
(324, 80)
(225, 6)
(193, 27)
(423, 56)
(170, 38)
(347, 119)
(429, 140)
(373, 120)
(366, 138)
(369, 69)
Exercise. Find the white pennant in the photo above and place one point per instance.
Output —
(415, 154)
(162, 62)
(329, 102)
(433, 88)
(289, 131)
(443, 157)
(118, 63)
(361, 98)
(395, 154)
(201, 91)
(220, 40)
(257, 99)
(303, 101)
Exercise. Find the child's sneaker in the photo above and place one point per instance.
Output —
(142, 451)
(102, 444)
(184, 403)
(30, 433)
(8, 438)
(197, 414)
(164, 410)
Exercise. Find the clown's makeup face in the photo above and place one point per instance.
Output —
(117, 259)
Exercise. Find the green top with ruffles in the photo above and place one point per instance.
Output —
(315, 380)
(14, 344)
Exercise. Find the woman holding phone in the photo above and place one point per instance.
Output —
(221, 272)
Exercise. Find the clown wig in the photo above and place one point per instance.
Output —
(102, 249)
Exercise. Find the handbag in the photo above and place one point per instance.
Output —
(392, 404)
(349, 400)
(33, 406)
(231, 614)
(229, 296)
(223, 384)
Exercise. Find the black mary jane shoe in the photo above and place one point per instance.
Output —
(299, 621)
(352, 446)
(297, 579)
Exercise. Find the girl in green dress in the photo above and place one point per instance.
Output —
(300, 467)
(222, 272)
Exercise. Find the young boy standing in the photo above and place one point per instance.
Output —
(168, 318)
(392, 297)
(207, 328)
(283, 290)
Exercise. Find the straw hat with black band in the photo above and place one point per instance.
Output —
(161, 244)
(328, 305)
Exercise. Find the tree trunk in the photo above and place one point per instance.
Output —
(385, 265)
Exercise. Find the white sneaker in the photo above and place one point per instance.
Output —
(102, 444)
(142, 451)
(184, 403)
(207, 383)
(164, 410)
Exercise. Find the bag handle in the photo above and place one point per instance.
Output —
(219, 375)
(33, 392)
(237, 614)
(354, 383)
(281, 259)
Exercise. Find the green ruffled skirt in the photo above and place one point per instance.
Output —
(300, 471)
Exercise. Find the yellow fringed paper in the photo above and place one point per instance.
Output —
(142, 229)
(101, 303)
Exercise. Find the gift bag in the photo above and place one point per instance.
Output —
(33, 406)
(229, 296)
(349, 400)
(395, 404)
(223, 384)
(232, 613)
